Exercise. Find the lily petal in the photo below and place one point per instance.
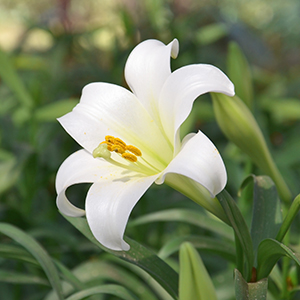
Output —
(180, 90)
(109, 204)
(79, 167)
(199, 160)
(146, 70)
(108, 109)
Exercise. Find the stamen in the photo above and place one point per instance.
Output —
(118, 149)
(112, 144)
(119, 142)
(109, 145)
(110, 139)
(136, 151)
(129, 156)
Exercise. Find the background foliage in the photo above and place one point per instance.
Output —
(50, 50)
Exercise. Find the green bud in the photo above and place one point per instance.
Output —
(239, 73)
(239, 126)
(102, 151)
(194, 281)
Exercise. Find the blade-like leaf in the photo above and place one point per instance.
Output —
(289, 218)
(269, 252)
(222, 248)
(111, 289)
(11, 78)
(267, 217)
(194, 280)
(52, 111)
(37, 251)
(137, 255)
(239, 73)
(188, 216)
(15, 252)
(241, 232)
(250, 290)
(20, 278)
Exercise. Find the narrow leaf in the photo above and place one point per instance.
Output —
(37, 251)
(20, 278)
(111, 289)
(267, 215)
(52, 111)
(215, 246)
(138, 255)
(187, 216)
(241, 231)
(239, 73)
(15, 252)
(269, 252)
(194, 280)
(293, 211)
(11, 78)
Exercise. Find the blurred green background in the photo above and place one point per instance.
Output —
(50, 49)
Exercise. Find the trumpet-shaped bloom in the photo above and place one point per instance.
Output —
(131, 139)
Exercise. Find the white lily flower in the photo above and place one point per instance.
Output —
(131, 140)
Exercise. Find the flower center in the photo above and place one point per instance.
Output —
(129, 152)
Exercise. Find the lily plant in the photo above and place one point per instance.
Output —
(131, 139)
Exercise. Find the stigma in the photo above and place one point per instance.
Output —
(115, 144)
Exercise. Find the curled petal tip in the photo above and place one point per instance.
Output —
(175, 48)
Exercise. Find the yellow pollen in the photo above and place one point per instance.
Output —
(129, 156)
(118, 149)
(109, 145)
(117, 145)
(110, 139)
(119, 142)
(136, 151)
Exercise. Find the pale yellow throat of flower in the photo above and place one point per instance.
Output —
(128, 152)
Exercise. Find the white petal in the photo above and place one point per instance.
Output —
(199, 160)
(147, 68)
(107, 109)
(181, 89)
(80, 167)
(109, 204)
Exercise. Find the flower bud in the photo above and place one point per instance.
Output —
(239, 126)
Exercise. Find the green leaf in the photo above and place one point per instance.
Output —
(187, 216)
(222, 248)
(99, 270)
(241, 232)
(287, 222)
(267, 217)
(52, 111)
(37, 251)
(154, 286)
(194, 280)
(239, 73)
(9, 174)
(250, 291)
(210, 33)
(20, 278)
(15, 252)
(11, 78)
(138, 255)
(282, 109)
(111, 289)
(269, 252)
